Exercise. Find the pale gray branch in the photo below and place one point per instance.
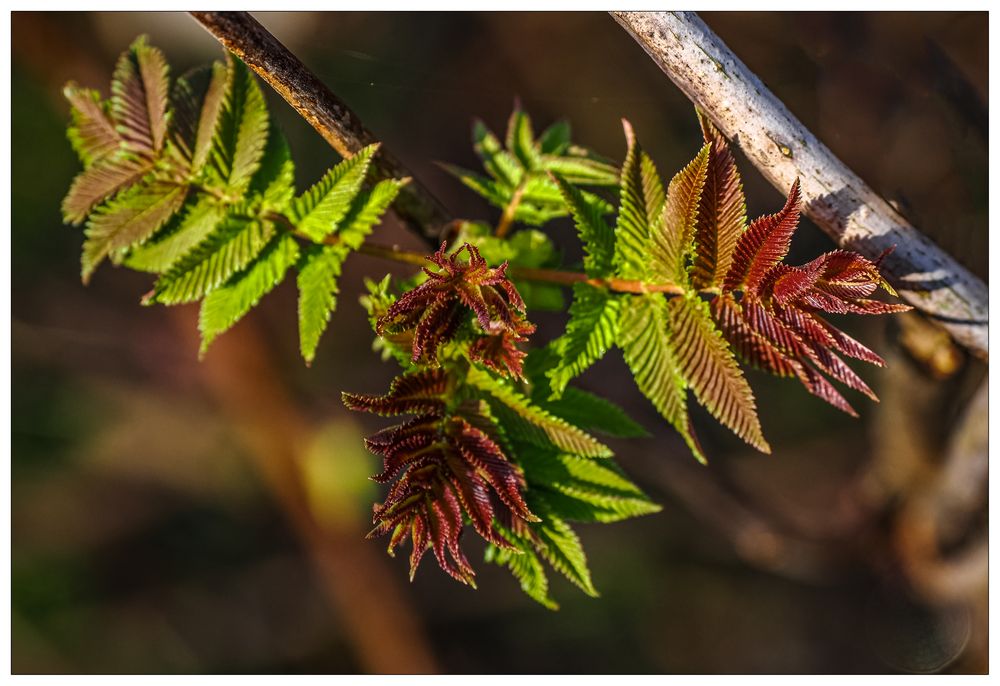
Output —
(834, 197)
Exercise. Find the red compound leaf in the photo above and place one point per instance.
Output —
(442, 468)
(434, 310)
(776, 324)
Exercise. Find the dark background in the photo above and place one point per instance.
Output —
(177, 516)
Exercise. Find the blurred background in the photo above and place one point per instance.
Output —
(176, 516)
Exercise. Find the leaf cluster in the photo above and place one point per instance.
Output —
(192, 182)
(690, 284)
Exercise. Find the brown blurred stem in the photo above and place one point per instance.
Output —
(376, 614)
(339, 126)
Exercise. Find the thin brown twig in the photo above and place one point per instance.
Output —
(339, 126)
(510, 211)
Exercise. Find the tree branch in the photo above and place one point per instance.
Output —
(244, 36)
(840, 203)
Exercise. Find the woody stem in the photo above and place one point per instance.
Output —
(507, 218)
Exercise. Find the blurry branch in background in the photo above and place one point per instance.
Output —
(932, 530)
(244, 36)
(378, 617)
(834, 197)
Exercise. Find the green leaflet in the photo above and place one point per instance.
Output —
(130, 219)
(583, 489)
(499, 163)
(274, 180)
(242, 130)
(576, 406)
(673, 235)
(235, 242)
(319, 269)
(178, 238)
(521, 139)
(225, 306)
(581, 169)
(595, 234)
(590, 333)
(555, 139)
(707, 363)
(640, 202)
(524, 563)
(647, 345)
(318, 211)
(559, 545)
(90, 132)
(208, 106)
(366, 210)
(594, 413)
(542, 428)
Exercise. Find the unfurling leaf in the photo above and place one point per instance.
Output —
(443, 464)
(435, 309)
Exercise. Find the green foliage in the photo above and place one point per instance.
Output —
(195, 185)
(518, 172)
(191, 182)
